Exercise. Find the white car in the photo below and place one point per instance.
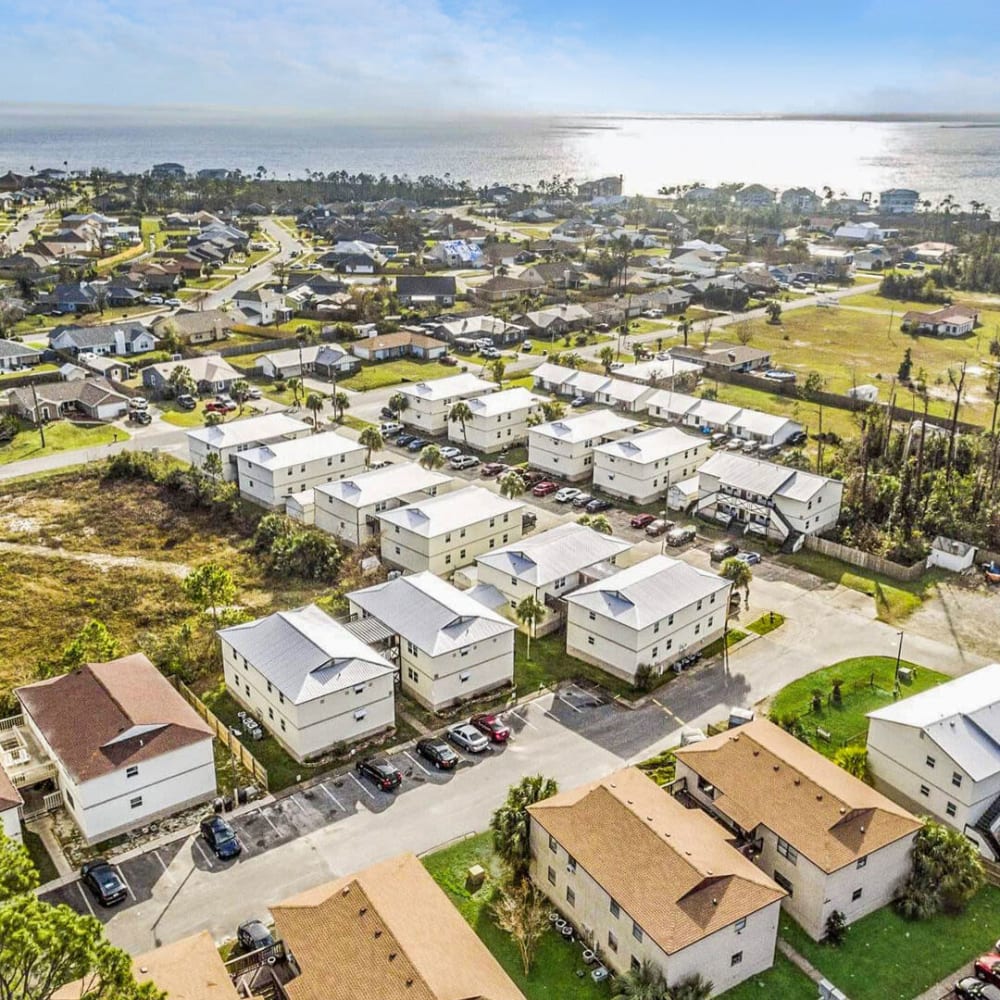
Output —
(464, 462)
(155, 300)
(138, 403)
(254, 393)
(566, 494)
(468, 738)
(390, 428)
(172, 302)
(450, 452)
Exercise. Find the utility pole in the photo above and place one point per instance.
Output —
(899, 653)
(38, 415)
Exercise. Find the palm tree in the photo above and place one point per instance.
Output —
(461, 412)
(694, 987)
(295, 384)
(341, 402)
(398, 402)
(496, 368)
(510, 824)
(607, 357)
(740, 574)
(371, 438)
(314, 403)
(554, 410)
(643, 983)
(431, 457)
(600, 524)
(512, 485)
(529, 613)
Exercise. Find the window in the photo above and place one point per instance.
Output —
(925, 791)
(570, 896)
(270, 713)
(590, 640)
(69, 799)
(950, 809)
(929, 762)
(956, 779)
(281, 698)
(592, 616)
(697, 629)
(552, 875)
(268, 687)
(360, 714)
(862, 862)
(615, 909)
(552, 844)
(856, 895)
(741, 923)
(463, 678)
(785, 883)
(636, 931)
(282, 725)
(612, 941)
(136, 802)
(787, 851)
(132, 772)
(736, 959)
(636, 964)
(656, 628)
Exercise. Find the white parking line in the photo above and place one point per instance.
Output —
(361, 786)
(125, 880)
(86, 902)
(566, 701)
(406, 753)
(521, 718)
(333, 798)
(292, 798)
(208, 861)
(267, 819)
(163, 863)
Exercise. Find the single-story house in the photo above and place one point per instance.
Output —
(94, 398)
(323, 359)
(211, 373)
(503, 288)
(17, 355)
(110, 338)
(724, 356)
(201, 327)
(951, 321)
(402, 344)
(414, 290)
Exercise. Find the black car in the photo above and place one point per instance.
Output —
(387, 414)
(799, 437)
(186, 402)
(404, 439)
(415, 444)
(723, 550)
(104, 882)
(221, 837)
(380, 771)
(437, 752)
(140, 417)
(253, 935)
(597, 505)
(582, 500)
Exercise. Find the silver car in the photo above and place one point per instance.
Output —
(468, 738)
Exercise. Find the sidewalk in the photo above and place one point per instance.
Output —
(800, 961)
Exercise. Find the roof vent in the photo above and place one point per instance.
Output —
(378, 934)
(649, 819)
(819, 798)
(392, 956)
(362, 911)
(798, 781)
(708, 871)
(862, 827)
(715, 902)
(409, 982)
(842, 810)
(777, 767)
(629, 801)
(756, 753)
(345, 891)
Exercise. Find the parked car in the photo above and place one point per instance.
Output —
(380, 771)
(253, 392)
(450, 451)
(615, 365)
(970, 988)
(138, 403)
(723, 550)
(566, 494)
(390, 428)
(769, 450)
(448, 359)
(578, 401)
(598, 504)
(798, 438)
(491, 469)
(527, 346)
(214, 406)
(104, 882)
(681, 536)
(140, 417)
(987, 968)
(750, 558)
(253, 935)
(491, 726)
(464, 462)
(718, 440)
(751, 446)
(582, 500)
(532, 477)
(221, 837)
(388, 414)
(186, 402)
(416, 444)
(658, 526)
(437, 752)
(642, 520)
(490, 353)
(468, 738)
(544, 488)
(734, 445)
(155, 300)
(404, 439)
(173, 303)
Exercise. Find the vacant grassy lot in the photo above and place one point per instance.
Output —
(549, 663)
(379, 374)
(36, 369)
(783, 981)
(553, 975)
(886, 956)
(59, 436)
(174, 414)
(867, 685)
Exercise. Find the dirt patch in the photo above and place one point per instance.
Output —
(963, 609)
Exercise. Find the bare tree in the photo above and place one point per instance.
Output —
(957, 382)
(521, 910)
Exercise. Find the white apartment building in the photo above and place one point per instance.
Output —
(274, 471)
(898, 201)
(565, 448)
(709, 415)
(450, 647)
(499, 420)
(349, 508)
(938, 752)
(770, 500)
(548, 566)
(444, 533)
(10, 807)
(229, 439)
(643, 467)
(642, 878)
(126, 747)
(429, 403)
(651, 613)
(829, 840)
(311, 683)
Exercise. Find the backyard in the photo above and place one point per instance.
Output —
(555, 973)
(378, 375)
(60, 435)
(783, 981)
(549, 664)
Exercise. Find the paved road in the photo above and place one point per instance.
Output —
(17, 237)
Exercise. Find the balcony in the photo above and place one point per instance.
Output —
(21, 757)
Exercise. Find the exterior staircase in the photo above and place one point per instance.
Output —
(985, 824)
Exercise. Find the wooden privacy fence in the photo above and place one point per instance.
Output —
(244, 758)
(865, 560)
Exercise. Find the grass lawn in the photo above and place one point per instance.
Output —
(40, 857)
(61, 435)
(846, 722)
(553, 975)
(767, 622)
(886, 957)
(36, 369)
(894, 599)
(379, 374)
(549, 663)
(662, 768)
(356, 423)
(733, 636)
(783, 981)
(173, 414)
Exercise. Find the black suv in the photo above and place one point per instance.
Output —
(723, 550)
(437, 752)
(221, 837)
(379, 770)
(104, 882)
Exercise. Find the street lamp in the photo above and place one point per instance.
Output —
(899, 653)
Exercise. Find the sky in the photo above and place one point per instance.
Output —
(360, 59)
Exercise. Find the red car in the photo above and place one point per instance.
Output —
(216, 407)
(987, 969)
(641, 520)
(491, 727)
(493, 469)
(544, 488)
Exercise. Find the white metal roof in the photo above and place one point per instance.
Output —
(237, 432)
(305, 654)
(711, 411)
(651, 446)
(648, 591)
(757, 422)
(438, 515)
(553, 554)
(961, 716)
(453, 386)
(677, 403)
(280, 454)
(585, 426)
(645, 371)
(764, 478)
(497, 403)
(383, 484)
(431, 613)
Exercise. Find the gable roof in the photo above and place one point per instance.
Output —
(764, 478)
(465, 384)
(651, 446)
(305, 654)
(558, 552)
(280, 454)
(586, 426)
(671, 869)
(962, 717)
(430, 613)
(451, 511)
(15, 349)
(425, 285)
(387, 932)
(505, 401)
(132, 714)
(377, 485)
(247, 429)
(100, 336)
(765, 776)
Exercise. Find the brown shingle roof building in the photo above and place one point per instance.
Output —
(387, 932)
